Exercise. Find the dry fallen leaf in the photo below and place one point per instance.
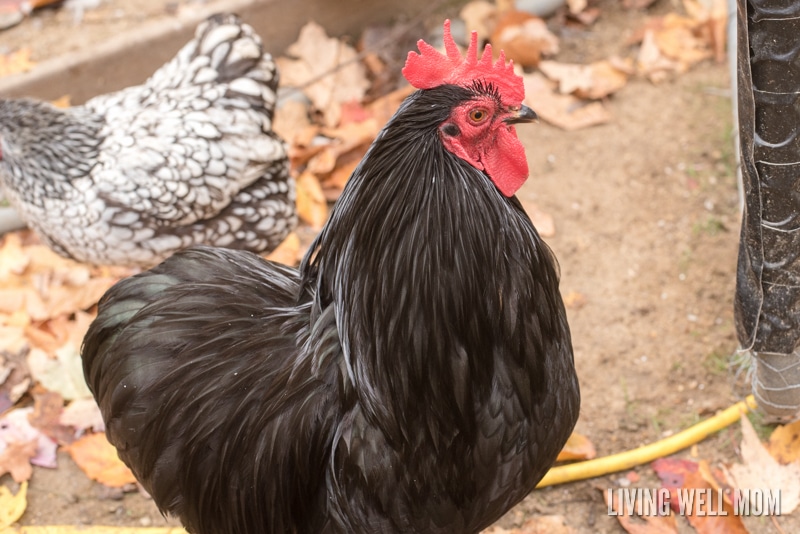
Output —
(84, 414)
(384, 107)
(15, 459)
(329, 66)
(713, 18)
(760, 470)
(575, 300)
(594, 81)
(98, 459)
(479, 16)
(291, 119)
(688, 487)
(677, 39)
(54, 359)
(353, 135)
(14, 374)
(578, 447)
(62, 102)
(673, 43)
(46, 416)
(12, 506)
(13, 259)
(784, 443)
(62, 374)
(333, 185)
(16, 62)
(652, 524)
(44, 285)
(652, 63)
(312, 207)
(564, 111)
(577, 6)
(524, 38)
(287, 252)
(15, 428)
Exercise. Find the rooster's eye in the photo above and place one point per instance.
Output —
(478, 115)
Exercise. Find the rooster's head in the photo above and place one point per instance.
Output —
(479, 130)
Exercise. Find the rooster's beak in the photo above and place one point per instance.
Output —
(523, 114)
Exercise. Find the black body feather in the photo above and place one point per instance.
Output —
(416, 375)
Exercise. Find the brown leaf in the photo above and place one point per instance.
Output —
(333, 185)
(353, 135)
(479, 16)
(677, 39)
(578, 447)
(524, 38)
(45, 285)
(716, 479)
(287, 252)
(760, 470)
(16, 459)
(653, 524)
(62, 102)
(784, 443)
(291, 120)
(14, 374)
(98, 459)
(575, 300)
(594, 81)
(16, 62)
(84, 414)
(61, 370)
(47, 408)
(706, 517)
(708, 511)
(712, 16)
(354, 112)
(324, 162)
(13, 259)
(311, 204)
(577, 6)
(384, 107)
(327, 70)
(564, 111)
(652, 63)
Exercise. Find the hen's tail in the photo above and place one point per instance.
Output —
(224, 51)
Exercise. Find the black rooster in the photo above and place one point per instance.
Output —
(415, 376)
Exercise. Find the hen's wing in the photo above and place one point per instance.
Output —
(219, 391)
(196, 138)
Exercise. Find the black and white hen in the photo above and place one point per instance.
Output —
(189, 157)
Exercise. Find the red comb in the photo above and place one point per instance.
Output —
(430, 68)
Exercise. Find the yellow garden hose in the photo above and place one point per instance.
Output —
(647, 453)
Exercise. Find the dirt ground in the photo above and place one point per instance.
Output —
(646, 212)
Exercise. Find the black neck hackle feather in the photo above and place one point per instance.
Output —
(436, 277)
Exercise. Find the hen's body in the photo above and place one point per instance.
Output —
(415, 376)
(188, 157)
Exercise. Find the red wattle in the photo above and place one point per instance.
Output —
(506, 163)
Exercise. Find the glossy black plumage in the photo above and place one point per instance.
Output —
(415, 376)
